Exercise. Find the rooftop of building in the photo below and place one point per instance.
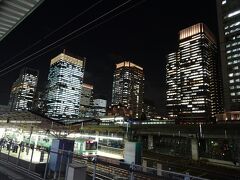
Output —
(127, 64)
(89, 86)
(196, 29)
(78, 61)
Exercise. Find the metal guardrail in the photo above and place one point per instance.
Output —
(26, 161)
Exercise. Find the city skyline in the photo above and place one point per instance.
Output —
(124, 89)
(122, 39)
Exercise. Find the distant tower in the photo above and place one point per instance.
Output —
(229, 33)
(193, 93)
(65, 81)
(23, 90)
(173, 84)
(86, 102)
(99, 107)
(128, 87)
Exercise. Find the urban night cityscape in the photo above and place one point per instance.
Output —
(125, 89)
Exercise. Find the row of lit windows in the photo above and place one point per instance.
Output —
(233, 50)
(232, 31)
(199, 111)
(233, 56)
(234, 13)
(233, 44)
(234, 62)
(234, 74)
(233, 25)
(235, 87)
(232, 80)
(235, 94)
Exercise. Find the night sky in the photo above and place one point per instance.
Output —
(143, 35)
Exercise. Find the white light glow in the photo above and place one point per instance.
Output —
(77, 135)
(234, 13)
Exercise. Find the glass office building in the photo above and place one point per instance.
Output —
(99, 107)
(128, 87)
(23, 90)
(86, 103)
(173, 86)
(192, 87)
(65, 81)
(229, 35)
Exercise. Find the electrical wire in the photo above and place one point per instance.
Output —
(95, 26)
(51, 33)
(64, 37)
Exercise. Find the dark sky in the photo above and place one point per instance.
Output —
(144, 35)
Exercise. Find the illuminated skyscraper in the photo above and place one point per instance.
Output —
(86, 102)
(193, 93)
(128, 87)
(173, 85)
(99, 107)
(229, 32)
(65, 80)
(23, 90)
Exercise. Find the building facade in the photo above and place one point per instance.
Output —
(86, 102)
(173, 85)
(149, 109)
(23, 90)
(64, 87)
(99, 107)
(229, 36)
(193, 89)
(128, 87)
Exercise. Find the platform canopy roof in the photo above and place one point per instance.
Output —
(13, 12)
(27, 119)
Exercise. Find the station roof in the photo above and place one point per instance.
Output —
(79, 121)
(13, 12)
(27, 119)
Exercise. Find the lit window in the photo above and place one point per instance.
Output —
(234, 13)
(235, 68)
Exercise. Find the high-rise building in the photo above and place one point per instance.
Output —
(149, 109)
(128, 87)
(64, 87)
(99, 106)
(173, 85)
(193, 93)
(229, 34)
(86, 102)
(23, 90)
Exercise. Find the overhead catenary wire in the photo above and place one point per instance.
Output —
(51, 33)
(64, 37)
(93, 27)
